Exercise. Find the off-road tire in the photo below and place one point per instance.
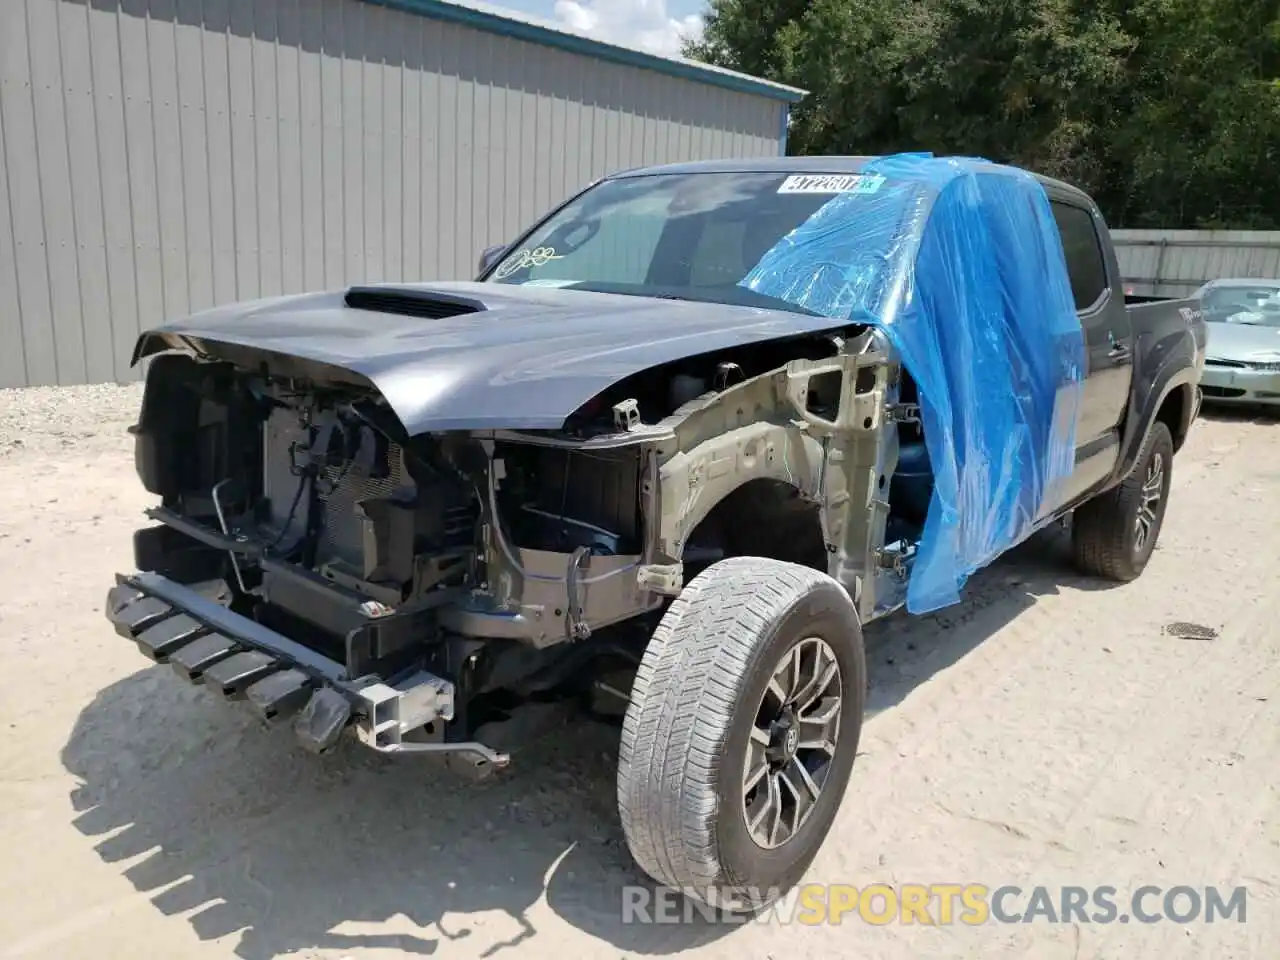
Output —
(692, 709)
(1104, 530)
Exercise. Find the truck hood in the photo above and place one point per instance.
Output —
(519, 357)
(1242, 342)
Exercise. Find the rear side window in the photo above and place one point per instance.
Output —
(1085, 266)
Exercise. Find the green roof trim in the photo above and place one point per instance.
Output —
(510, 23)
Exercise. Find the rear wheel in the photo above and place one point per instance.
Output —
(1114, 534)
(741, 732)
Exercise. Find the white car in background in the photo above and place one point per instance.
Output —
(1242, 362)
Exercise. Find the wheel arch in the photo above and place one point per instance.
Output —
(765, 517)
(754, 479)
(1171, 402)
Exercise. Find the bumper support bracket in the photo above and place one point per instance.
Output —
(196, 633)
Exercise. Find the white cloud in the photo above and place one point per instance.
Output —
(633, 23)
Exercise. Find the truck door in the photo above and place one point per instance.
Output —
(1108, 341)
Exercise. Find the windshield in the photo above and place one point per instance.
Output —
(1254, 304)
(684, 236)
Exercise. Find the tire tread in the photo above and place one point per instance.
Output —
(1101, 534)
(681, 707)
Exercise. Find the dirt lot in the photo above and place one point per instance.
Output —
(1045, 731)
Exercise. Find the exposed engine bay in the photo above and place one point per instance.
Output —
(488, 566)
(319, 480)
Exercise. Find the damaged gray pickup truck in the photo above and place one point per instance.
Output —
(658, 464)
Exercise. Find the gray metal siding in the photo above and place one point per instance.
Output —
(158, 157)
(1174, 263)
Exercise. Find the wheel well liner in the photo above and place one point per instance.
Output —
(766, 518)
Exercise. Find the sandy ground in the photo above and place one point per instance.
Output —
(1045, 731)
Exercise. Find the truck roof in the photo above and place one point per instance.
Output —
(818, 164)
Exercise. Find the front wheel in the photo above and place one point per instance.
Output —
(741, 732)
(1114, 534)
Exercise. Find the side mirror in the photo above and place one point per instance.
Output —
(490, 256)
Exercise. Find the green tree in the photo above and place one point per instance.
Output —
(1167, 111)
(1196, 137)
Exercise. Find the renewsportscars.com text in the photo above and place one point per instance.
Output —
(970, 904)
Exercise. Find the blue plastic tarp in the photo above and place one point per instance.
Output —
(960, 262)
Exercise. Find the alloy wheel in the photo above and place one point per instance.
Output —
(1149, 504)
(792, 743)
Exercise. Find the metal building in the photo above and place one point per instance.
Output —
(1173, 263)
(158, 157)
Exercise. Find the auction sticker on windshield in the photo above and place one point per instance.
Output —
(831, 183)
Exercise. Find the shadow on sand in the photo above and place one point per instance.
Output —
(235, 829)
(1239, 412)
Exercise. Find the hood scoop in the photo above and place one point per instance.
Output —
(426, 304)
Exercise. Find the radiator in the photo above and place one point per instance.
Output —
(339, 491)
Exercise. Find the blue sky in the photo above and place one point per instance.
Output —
(656, 25)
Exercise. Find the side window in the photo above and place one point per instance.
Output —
(1085, 265)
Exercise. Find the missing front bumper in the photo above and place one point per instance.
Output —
(193, 630)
